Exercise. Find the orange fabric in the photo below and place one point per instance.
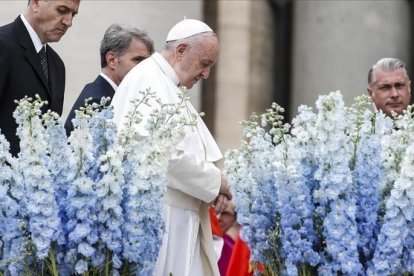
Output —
(239, 264)
(215, 226)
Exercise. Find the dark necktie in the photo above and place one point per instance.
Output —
(43, 62)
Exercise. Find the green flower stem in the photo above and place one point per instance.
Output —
(108, 263)
(52, 264)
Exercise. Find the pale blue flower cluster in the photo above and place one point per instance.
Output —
(83, 203)
(295, 195)
(393, 253)
(81, 200)
(144, 227)
(256, 195)
(11, 236)
(39, 202)
(63, 174)
(368, 172)
(331, 195)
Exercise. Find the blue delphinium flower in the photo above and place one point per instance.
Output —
(62, 166)
(81, 197)
(11, 237)
(145, 170)
(334, 191)
(250, 171)
(367, 176)
(236, 168)
(263, 196)
(294, 195)
(107, 174)
(109, 196)
(395, 236)
(395, 241)
(40, 203)
(103, 132)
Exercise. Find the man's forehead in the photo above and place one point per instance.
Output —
(397, 75)
(71, 4)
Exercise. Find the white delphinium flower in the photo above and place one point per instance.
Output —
(394, 143)
(39, 202)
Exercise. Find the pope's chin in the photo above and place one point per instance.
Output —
(190, 84)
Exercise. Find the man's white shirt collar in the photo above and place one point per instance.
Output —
(33, 35)
(111, 82)
(166, 67)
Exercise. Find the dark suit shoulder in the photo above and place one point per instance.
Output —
(97, 89)
(94, 91)
(8, 28)
(9, 37)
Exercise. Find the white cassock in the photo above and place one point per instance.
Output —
(194, 181)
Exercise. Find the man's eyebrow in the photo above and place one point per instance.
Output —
(67, 9)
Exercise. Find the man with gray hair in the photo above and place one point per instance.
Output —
(389, 86)
(121, 49)
(194, 182)
(29, 65)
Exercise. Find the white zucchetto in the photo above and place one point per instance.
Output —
(187, 28)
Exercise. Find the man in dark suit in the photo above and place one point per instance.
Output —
(121, 49)
(23, 71)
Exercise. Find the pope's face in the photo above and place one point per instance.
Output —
(197, 60)
(390, 91)
(52, 18)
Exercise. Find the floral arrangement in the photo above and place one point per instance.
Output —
(332, 193)
(90, 203)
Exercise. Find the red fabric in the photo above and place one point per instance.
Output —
(226, 254)
(215, 226)
(239, 264)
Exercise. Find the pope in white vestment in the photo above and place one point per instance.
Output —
(194, 181)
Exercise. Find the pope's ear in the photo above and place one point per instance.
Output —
(180, 49)
(369, 89)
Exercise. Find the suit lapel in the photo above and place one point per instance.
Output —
(30, 51)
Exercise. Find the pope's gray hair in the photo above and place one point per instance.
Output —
(192, 40)
(386, 64)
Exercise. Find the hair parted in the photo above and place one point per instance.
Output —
(117, 39)
(385, 64)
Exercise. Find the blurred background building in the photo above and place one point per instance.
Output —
(271, 50)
